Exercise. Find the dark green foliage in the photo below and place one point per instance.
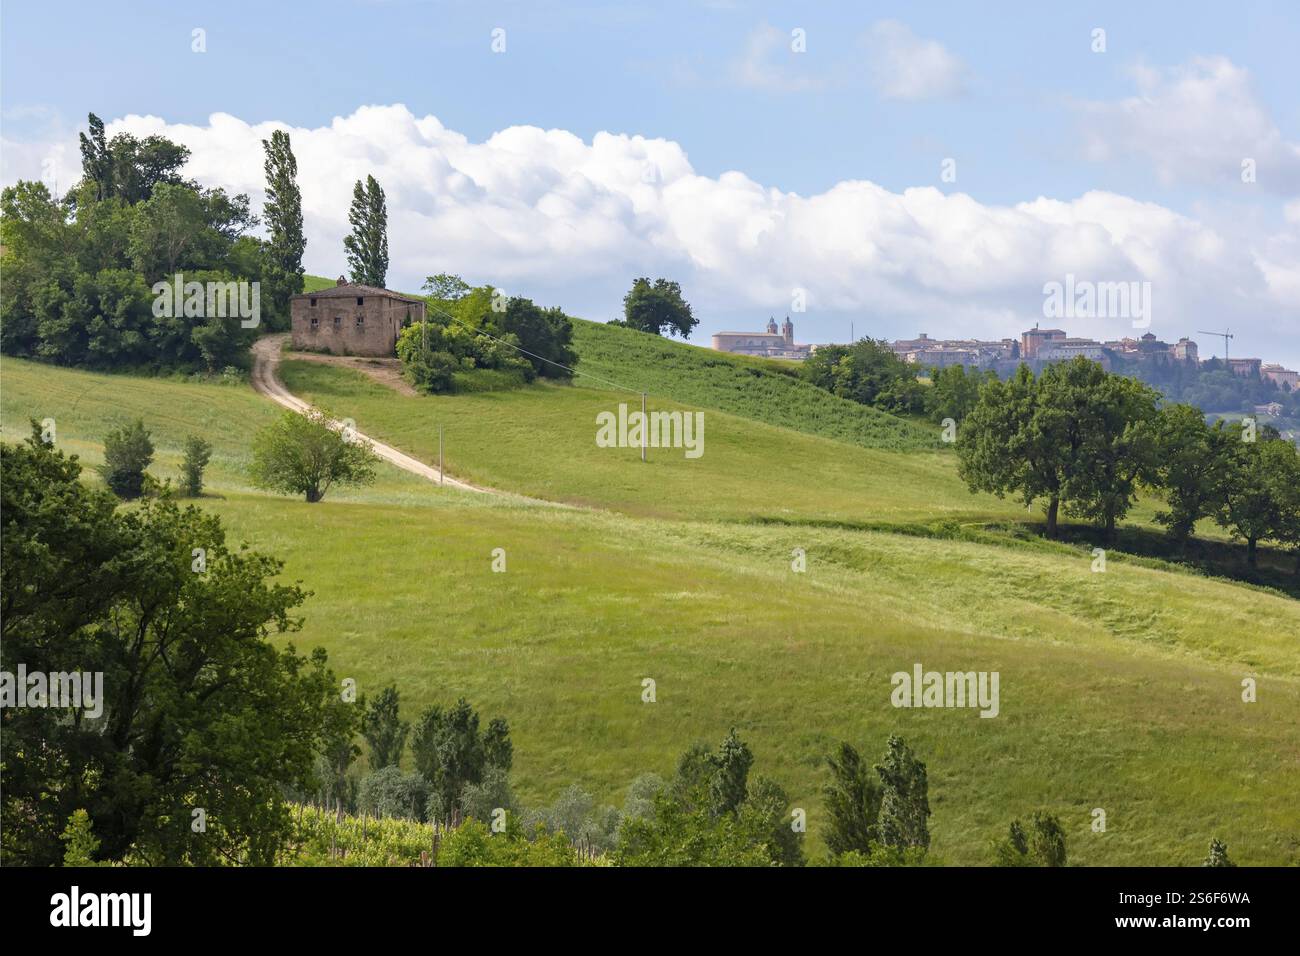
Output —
(658, 307)
(384, 730)
(200, 709)
(367, 244)
(1042, 844)
(904, 797)
(282, 272)
(1192, 464)
(451, 753)
(1260, 497)
(709, 815)
(1076, 436)
(197, 455)
(80, 275)
(544, 335)
(730, 772)
(1218, 856)
(128, 451)
(388, 792)
(852, 803)
(866, 372)
(954, 392)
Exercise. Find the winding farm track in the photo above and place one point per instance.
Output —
(266, 361)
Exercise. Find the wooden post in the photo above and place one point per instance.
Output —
(645, 426)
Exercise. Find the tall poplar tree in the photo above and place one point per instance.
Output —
(367, 246)
(282, 271)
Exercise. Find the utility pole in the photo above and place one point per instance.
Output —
(645, 426)
(440, 471)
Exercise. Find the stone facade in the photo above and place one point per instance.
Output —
(769, 344)
(351, 319)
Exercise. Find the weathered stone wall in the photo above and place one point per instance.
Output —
(340, 325)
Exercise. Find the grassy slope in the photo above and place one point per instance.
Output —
(1119, 691)
(541, 441)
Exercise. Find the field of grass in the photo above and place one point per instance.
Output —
(1119, 690)
(541, 441)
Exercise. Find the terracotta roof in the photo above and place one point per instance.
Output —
(349, 290)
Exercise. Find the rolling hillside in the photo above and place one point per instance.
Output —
(1118, 690)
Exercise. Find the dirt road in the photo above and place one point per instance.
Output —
(266, 359)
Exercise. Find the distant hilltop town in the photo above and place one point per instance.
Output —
(1035, 347)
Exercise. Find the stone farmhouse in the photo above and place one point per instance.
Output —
(351, 319)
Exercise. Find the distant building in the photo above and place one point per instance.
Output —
(769, 344)
(1245, 367)
(1280, 376)
(351, 319)
(940, 353)
(1271, 410)
(1034, 339)
(1186, 351)
(1064, 349)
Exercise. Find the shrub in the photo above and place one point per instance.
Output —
(197, 454)
(128, 451)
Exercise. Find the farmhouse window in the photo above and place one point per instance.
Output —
(338, 321)
(315, 321)
(361, 300)
(361, 320)
(313, 301)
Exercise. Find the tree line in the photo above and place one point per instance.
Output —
(1084, 441)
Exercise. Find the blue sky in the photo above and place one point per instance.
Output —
(1017, 99)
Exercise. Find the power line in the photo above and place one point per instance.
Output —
(542, 358)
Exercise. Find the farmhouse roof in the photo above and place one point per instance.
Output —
(344, 289)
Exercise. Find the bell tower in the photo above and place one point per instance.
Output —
(787, 330)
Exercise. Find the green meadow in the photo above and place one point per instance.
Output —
(1119, 691)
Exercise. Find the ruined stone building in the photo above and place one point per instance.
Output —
(351, 319)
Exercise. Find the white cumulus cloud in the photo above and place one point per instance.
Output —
(905, 66)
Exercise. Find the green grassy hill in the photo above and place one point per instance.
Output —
(1118, 690)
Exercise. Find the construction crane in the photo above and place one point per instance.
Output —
(1225, 335)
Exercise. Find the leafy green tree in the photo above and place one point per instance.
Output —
(80, 842)
(96, 161)
(766, 811)
(658, 307)
(866, 372)
(641, 794)
(730, 772)
(367, 244)
(307, 455)
(852, 803)
(1043, 844)
(904, 797)
(1260, 484)
(128, 451)
(384, 729)
(446, 288)
(677, 835)
(1108, 420)
(480, 800)
(451, 753)
(954, 392)
(197, 455)
(282, 271)
(1192, 464)
(200, 709)
(1218, 856)
(473, 844)
(389, 792)
(544, 335)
